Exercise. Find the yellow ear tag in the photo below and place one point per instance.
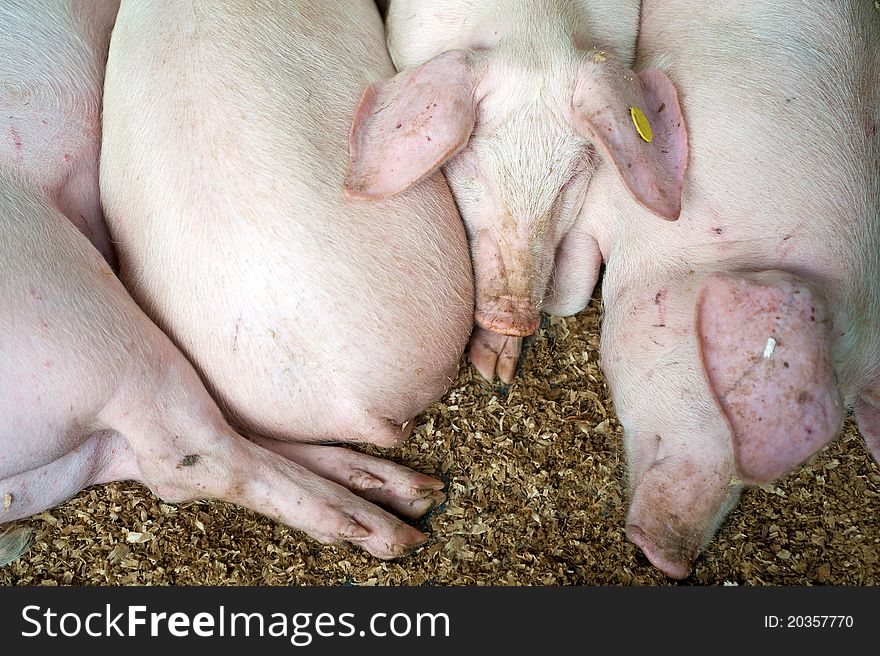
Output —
(641, 123)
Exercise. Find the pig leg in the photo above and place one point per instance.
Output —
(403, 490)
(493, 353)
(187, 451)
(236, 471)
(867, 411)
(102, 458)
(575, 274)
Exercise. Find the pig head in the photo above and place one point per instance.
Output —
(516, 128)
(734, 339)
(719, 379)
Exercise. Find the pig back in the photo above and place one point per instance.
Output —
(226, 142)
(782, 107)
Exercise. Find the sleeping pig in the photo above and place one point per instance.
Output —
(513, 100)
(91, 391)
(734, 339)
(311, 317)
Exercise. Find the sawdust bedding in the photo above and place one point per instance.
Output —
(536, 481)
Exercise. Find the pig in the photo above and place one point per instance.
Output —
(735, 339)
(91, 390)
(309, 316)
(515, 101)
(52, 55)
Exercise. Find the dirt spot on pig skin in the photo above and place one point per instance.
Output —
(188, 461)
(16, 137)
(659, 301)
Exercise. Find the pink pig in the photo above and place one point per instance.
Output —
(734, 339)
(50, 102)
(91, 390)
(310, 316)
(513, 100)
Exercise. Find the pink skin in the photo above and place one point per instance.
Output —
(144, 414)
(518, 105)
(766, 351)
(310, 316)
(734, 339)
(91, 391)
(50, 103)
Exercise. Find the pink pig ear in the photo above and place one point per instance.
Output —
(636, 121)
(406, 128)
(764, 342)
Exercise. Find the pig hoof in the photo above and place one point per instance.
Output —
(355, 531)
(386, 483)
(403, 542)
(492, 353)
(408, 540)
(674, 568)
(389, 538)
(421, 482)
(423, 504)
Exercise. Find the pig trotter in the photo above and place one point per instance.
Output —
(493, 353)
(404, 491)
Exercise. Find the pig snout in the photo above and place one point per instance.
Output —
(510, 280)
(677, 505)
(508, 315)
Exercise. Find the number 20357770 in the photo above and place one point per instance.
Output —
(808, 621)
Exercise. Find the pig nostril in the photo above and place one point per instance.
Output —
(674, 568)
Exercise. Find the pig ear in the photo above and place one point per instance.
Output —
(765, 347)
(637, 123)
(405, 128)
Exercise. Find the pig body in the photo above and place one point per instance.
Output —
(310, 316)
(734, 338)
(52, 55)
(514, 100)
(91, 390)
